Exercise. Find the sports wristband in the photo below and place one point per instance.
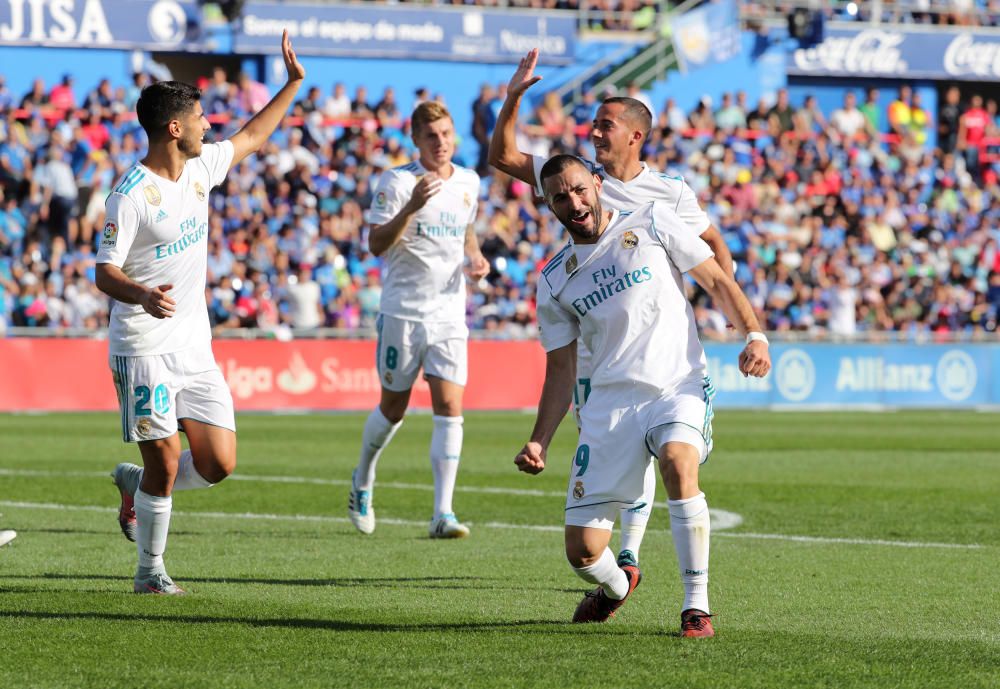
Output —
(756, 336)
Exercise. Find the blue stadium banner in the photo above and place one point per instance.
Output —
(706, 35)
(891, 53)
(145, 24)
(863, 375)
(397, 31)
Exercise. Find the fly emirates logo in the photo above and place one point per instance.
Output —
(609, 284)
(192, 233)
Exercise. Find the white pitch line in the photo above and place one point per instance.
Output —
(721, 519)
(488, 525)
(530, 492)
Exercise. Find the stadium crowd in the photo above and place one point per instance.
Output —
(840, 221)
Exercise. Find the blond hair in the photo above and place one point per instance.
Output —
(428, 112)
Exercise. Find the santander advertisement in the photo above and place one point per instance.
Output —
(264, 375)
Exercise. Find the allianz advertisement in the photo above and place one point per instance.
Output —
(893, 375)
(893, 53)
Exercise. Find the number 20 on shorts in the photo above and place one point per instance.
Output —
(159, 396)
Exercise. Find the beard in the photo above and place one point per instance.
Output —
(590, 229)
(190, 147)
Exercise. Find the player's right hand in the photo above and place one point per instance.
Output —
(157, 304)
(531, 458)
(428, 186)
(524, 78)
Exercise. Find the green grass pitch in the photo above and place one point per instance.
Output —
(868, 556)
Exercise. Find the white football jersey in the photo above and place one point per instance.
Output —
(626, 301)
(646, 187)
(423, 277)
(156, 231)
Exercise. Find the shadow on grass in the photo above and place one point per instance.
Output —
(548, 626)
(456, 583)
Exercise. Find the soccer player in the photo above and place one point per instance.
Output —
(617, 285)
(620, 128)
(152, 262)
(421, 218)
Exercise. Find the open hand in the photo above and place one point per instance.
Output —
(531, 458)
(524, 78)
(296, 72)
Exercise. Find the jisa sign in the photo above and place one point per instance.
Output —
(148, 24)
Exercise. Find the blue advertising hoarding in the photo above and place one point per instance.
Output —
(707, 35)
(146, 24)
(901, 54)
(863, 375)
(470, 34)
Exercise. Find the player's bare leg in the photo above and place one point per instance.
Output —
(446, 452)
(210, 459)
(690, 525)
(380, 426)
(590, 557)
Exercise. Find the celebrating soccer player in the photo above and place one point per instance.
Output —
(617, 286)
(421, 223)
(620, 129)
(152, 261)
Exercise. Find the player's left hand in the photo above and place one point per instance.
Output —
(755, 359)
(531, 458)
(478, 268)
(296, 72)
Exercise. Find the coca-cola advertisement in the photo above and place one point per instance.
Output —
(892, 53)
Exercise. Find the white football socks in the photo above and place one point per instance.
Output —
(607, 574)
(188, 477)
(634, 520)
(690, 525)
(152, 516)
(377, 434)
(446, 451)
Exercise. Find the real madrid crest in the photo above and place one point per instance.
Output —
(152, 193)
(199, 191)
(571, 264)
(629, 240)
(388, 377)
(578, 491)
(143, 426)
(467, 199)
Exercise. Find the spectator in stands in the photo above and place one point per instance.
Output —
(920, 120)
(252, 95)
(359, 104)
(809, 119)
(36, 97)
(848, 121)
(729, 116)
(673, 117)
(302, 298)
(483, 119)
(972, 127)
(900, 111)
(62, 96)
(872, 111)
(948, 119)
(782, 111)
(59, 193)
(387, 110)
(338, 105)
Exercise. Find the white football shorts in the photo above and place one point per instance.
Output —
(617, 439)
(442, 349)
(155, 391)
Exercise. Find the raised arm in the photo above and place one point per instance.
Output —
(557, 393)
(258, 130)
(755, 359)
(504, 155)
